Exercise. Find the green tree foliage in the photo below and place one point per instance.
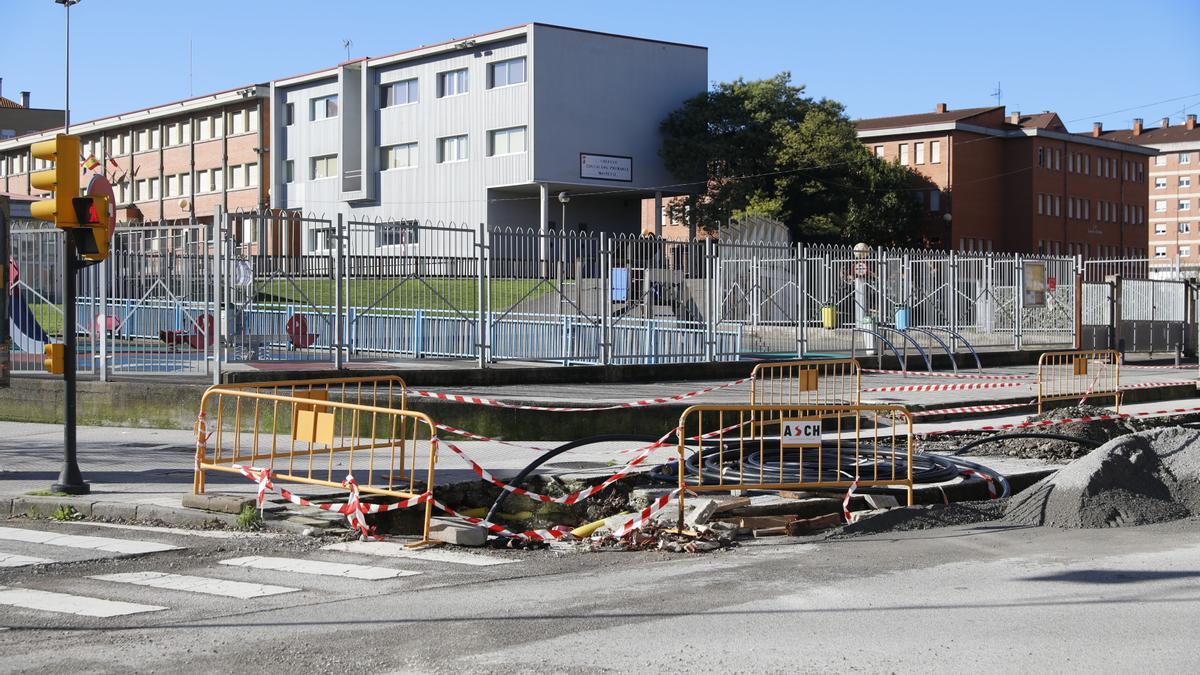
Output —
(763, 148)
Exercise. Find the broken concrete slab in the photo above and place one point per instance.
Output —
(216, 502)
(700, 511)
(881, 501)
(457, 533)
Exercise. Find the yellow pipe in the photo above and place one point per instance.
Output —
(590, 529)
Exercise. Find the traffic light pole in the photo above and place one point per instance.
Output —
(70, 479)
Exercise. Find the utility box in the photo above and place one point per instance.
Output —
(6, 288)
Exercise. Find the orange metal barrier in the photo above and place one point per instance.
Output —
(807, 382)
(1091, 373)
(387, 391)
(793, 447)
(308, 436)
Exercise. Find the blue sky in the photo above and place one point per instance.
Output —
(1089, 61)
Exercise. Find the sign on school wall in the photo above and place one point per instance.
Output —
(800, 433)
(605, 167)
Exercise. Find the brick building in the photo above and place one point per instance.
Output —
(1013, 182)
(1173, 205)
(174, 161)
(21, 117)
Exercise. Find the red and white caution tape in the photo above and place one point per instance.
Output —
(846, 501)
(1179, 367)
(944, 387)
(1151, 385)
(956, 376)
(967, 409)
(479, 400)
(991, 482)
(643, 516)
(556, 532)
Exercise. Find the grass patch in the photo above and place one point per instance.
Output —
(249, 519)
(46, 493)
(461, 294)
(65, 512)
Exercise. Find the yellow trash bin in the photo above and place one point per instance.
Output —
(829, 316)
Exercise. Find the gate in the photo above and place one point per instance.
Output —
(1125, 309)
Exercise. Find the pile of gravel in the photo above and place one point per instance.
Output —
(1137, 479)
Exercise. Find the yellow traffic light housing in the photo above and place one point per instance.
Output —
(62, 180)
(91, 234)
(55, 360)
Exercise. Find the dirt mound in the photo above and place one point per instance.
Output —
(1138, 479)
(910, 518)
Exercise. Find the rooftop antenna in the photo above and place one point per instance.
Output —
(346, 44)
(998, 94)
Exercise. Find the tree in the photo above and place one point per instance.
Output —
(763, 148)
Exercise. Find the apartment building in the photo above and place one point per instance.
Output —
(492, 129)
(175, 161)
(1012, 182)
(21, 117)
(1174, 192)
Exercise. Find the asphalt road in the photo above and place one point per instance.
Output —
(978, 598)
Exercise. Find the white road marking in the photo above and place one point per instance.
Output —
(390, 549)
(318, 567)
(207, 534)
(208, 586)
(124, 546)
(64, 603)
(14, 560)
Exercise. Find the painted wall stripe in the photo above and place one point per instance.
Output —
(318, 567)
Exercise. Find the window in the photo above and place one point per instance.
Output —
(904, 154)
(289, 170)
(396, 234)
(1185, 181)
(919, 152)
(506, 141)
(210, 127)
(1070, 207)
(1160, 206)
(452, 149)
(399, 93)
(1058, 206)
(1185, 158)
(289, 114)
(172, 186)
(203, 183)
(325, 166)
(452, 82)
(935, 200)
(1071, 162)
(935, 152)
(1041, 206)
(400, 156)
(237, 177)
(237, 121)
(1160, 160)
(1160, 183)
(1160, 228)
(1185, 205)
(1041, 155)
(504, 73)
(323, 108)
(879, 151)
(252, 174)
(1185, 251)
(1184, 228)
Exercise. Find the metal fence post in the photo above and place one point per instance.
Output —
(218, 299)
(1018, 301)
(710, 302)
(801, 305)
(606, 295)
(484, 295)
(339, 300)
(102, 272)
(953, 302)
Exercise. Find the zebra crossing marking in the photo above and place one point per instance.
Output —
(193, 584)
(65, 603)
(390, 549)
(14, 560)
(318, 567)
(106, 544)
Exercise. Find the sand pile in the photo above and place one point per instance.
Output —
(1055, 450)
(1137, 479)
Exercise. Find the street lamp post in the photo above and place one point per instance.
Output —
(563, 198)
(70, 479)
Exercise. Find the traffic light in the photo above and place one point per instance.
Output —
(91, 234)
(55, 360)
(62, 180)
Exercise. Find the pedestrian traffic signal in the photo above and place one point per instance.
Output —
(55, 358)
(91, 234)
(62, 179)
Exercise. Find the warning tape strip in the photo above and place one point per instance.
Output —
(479, 400)
(944, 387)
(957, 376)
(991, 482)
(967, 409)
(1179, 367)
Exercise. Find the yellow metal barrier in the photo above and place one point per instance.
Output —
(1093, 373)
(808, 382)
(793, 447)
(314, 436)
(386, 391)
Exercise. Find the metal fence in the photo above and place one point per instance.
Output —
(257, 288)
